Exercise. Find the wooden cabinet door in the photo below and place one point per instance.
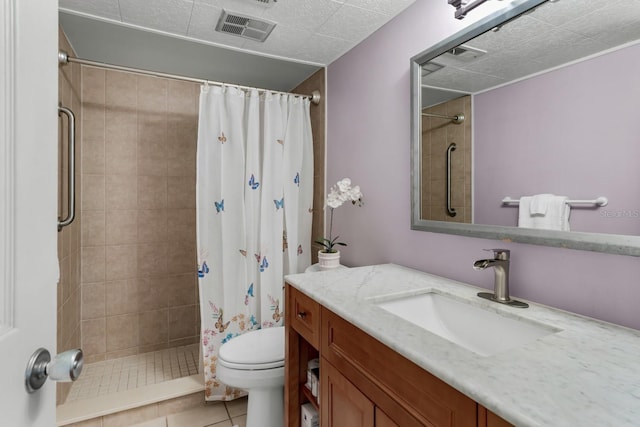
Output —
(383, 420)
(342, 404)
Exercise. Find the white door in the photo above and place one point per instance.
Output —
(28, 203)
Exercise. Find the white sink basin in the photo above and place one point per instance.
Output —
(482, 331)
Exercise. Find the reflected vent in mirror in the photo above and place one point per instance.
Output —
(464, 53)
(244, 26)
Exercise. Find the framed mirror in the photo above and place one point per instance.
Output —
(542, 97)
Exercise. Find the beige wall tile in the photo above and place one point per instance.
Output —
(93, 228)
(121, 297)
(152, 293)
(181, 97)
(181, 225)
(122, 227)
(121, 89)
(119, 354)
(93, 159)
(186, 341)
(182, 321)
(152, 144)
(93, 264)
(122, 332)
(121, 192)
(93, 192)
(152, 93)
(181, 192)
(182, 290)
(154, 327)
(181, 257)
(93, 301)
(121, 262)
(93, 122)
(121, 133)
(152, 192)
(152, 260)
(93, 85)
(152, 225)
(94, 340)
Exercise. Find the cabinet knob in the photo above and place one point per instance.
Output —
(302, 314)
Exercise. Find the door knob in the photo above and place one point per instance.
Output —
(64, 367)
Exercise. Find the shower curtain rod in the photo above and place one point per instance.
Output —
(457, 119)
(64, 58)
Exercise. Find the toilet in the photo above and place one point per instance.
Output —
(255, 362)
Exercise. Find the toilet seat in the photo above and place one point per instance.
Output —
(256, 350)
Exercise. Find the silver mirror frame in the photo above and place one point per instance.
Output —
(597, 242)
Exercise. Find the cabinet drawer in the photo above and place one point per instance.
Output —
(304, 315)
(422, 395)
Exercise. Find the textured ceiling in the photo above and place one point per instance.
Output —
(311, 31)
(553, 34)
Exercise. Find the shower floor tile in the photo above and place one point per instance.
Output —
(116, 375)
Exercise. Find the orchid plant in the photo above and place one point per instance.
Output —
(340, 193)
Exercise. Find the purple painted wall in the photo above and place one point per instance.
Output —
(369, 141)
(588, 147)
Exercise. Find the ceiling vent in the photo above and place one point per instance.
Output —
(464, 53)
(244, 26)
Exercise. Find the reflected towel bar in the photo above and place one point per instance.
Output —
(600, 201)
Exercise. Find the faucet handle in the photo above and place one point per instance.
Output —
(501, 254)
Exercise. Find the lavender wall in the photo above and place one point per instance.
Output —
(369, 141)
(588, 145)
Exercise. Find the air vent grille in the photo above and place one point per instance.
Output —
(244, 26)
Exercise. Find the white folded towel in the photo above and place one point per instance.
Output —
(540, 203)
(544, 211)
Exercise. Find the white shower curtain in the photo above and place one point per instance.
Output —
(254, 210)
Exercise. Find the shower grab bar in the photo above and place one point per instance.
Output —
(600, 201)
(450, 211)
(71, 177)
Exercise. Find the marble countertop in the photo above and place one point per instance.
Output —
(587, 374)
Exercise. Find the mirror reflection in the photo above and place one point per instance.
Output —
(535, 123)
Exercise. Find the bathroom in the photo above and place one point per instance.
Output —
(367, 130)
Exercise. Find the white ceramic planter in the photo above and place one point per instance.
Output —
(328, 261)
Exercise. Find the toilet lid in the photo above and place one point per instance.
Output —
(261, 349)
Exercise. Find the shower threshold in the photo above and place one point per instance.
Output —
(130, 382)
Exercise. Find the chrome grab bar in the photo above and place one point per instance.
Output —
(71, 202)
(450, 211)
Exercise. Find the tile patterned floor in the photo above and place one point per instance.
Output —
(113, 376)
(213, 414)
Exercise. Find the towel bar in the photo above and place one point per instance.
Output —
(600, 201)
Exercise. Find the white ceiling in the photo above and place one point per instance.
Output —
(555, 33)
(315, 32)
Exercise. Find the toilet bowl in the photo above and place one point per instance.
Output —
(255, 362)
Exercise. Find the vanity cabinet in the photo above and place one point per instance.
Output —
(362, 381)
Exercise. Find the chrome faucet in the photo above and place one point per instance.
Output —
(500, 264)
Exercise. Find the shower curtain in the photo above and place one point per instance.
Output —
(254, 210)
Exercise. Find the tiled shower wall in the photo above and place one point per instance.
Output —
(437, 134)
(139, 289)
(68, 305)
